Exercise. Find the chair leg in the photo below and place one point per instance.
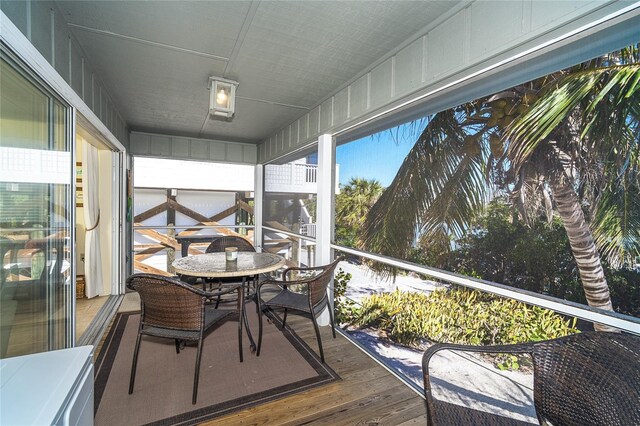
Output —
(241, 317)
(177, 346)
(333, 325)
(135, 364)
(197, 373)
(259, 326)
(315, 326)
(284, 318)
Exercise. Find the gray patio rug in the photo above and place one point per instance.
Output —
(164, 379)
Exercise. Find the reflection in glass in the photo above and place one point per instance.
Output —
(35, 177)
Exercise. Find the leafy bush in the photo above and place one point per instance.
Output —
(345, 309)
(459, 316)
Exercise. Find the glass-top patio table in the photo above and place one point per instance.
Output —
(215, 265)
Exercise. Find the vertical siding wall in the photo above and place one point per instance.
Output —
(175, 147)
(471, 37)
(42, 23)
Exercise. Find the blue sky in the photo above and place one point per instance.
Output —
(376, 157)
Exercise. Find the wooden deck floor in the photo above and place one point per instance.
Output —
(367, 394)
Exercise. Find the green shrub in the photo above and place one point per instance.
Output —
(345, 309)
(459, 316)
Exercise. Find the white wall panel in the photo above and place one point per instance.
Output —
(477, 36)
(293, 132)
(250, 154)
(199, 149)
(234, 153)
(286, 138)
(17, 12)
(381, 78)
(326, 114)
(164, 146)
(41, 28)
(76, 68)
(445, 47)
(303, 129)
(408, 68)
(359, 96)
(341, 106)
(61, 47)
(87, 94)
(314, 119)
(218, 151)
(508, 18)
(181, 150)
(545, 12)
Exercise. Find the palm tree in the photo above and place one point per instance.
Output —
(355, 200)
(566, 143)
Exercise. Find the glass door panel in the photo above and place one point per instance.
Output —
(35, 215)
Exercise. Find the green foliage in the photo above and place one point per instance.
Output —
(460, 316)
(501, 248)
(345, 309)
(352, 204)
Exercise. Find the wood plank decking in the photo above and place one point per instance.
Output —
(367, 394)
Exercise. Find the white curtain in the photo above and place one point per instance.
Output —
(91, 202)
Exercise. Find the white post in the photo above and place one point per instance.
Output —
(258, 192)
(324, 210)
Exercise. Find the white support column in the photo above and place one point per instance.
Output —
(324, 211)
(258, 193)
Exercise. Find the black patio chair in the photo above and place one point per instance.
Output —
(582, 379)
(176, 310)
(307, 294)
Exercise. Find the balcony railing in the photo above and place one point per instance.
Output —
(291, 177)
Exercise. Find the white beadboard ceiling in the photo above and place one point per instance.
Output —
(155, 57)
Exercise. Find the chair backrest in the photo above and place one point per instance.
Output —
(168, 302)
(588, 378)
(221, 243)
(319, 284)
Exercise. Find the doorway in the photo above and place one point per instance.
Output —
(98, 236)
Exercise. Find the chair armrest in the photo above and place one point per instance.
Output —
(443, 412)
(517, 348)
(309, 268)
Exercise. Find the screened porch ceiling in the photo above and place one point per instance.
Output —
(155, 58)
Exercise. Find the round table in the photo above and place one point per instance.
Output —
(215, 265)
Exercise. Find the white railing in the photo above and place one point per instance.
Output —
(291, 177)
(308, 229)
(623, 322)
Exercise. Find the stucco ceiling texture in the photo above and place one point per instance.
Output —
(155, 58)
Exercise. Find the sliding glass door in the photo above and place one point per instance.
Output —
(36, 208)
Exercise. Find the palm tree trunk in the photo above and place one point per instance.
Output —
(583, 247)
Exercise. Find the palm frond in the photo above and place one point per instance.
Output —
(614, 85)
(438, 184)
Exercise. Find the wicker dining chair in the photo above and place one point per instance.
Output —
(582, 379)
(217, 246)
(312, 300)
(176, 310)
(221, 243)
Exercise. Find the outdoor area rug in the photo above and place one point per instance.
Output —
(164, 379)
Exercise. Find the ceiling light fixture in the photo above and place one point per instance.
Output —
(222, 97)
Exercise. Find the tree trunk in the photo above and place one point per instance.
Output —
(583, 247)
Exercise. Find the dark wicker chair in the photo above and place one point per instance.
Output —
(312, 301)
(175, 310)
(221, 243)
(582, 379)
(218, 245)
